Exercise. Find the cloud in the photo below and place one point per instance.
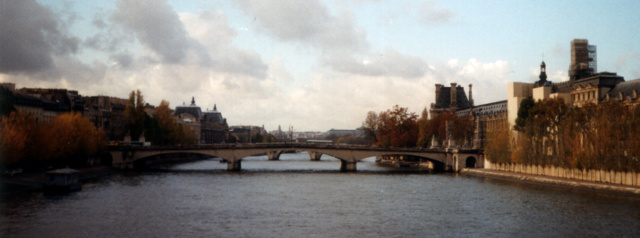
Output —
(307, 22)
(212, 31)
(30, 37)
(487, 77)
(158, 27)
(430, 13)
(627, 57)
(388, 63)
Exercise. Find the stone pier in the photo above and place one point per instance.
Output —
(315, 156)
(274, 155)
(234, 165)
(347, 166)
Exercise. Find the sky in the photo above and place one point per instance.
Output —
(314, 65)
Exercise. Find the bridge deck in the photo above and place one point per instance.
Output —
(124, 156)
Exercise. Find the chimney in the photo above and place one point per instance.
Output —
(438, 88)
(454, 89)
(470, 95)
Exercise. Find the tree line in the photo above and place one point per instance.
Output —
(397, 127)
(551, 133)
(70, 139)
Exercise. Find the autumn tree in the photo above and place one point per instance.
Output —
(461, 130)
(498, 147)
(167, 123)
(396, 127)
(593, 136)
(18, 132)
(134, 112)
(72, 138)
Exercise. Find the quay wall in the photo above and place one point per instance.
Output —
(631, 178)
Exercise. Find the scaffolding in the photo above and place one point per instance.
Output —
(583, 59)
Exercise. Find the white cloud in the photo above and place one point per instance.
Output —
(307, 22)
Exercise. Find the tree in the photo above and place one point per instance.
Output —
(461, 130)
(257, 138)
(424, 135)
(371, 124)
(498, 146)
(134, 112)
(72, 138)
(18, 132)
(524, 113)
(167, 123)
(397, 128)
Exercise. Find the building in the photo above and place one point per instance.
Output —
(340, 133)
(44, 104)
(450, 99)
(214, 128)
(107, 113)
(247, 133)
(625, 92)
(583, 59)
(584, 85)
(209, 126)
(488, 118)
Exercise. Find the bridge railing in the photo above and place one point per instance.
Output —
(274, 146)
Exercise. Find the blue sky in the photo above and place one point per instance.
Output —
(315, 65)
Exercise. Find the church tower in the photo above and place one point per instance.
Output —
(543, 72)
(543, 75)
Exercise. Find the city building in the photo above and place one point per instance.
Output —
(214, 128)
(246, 133)
(340, 133)
(625, 92)
(107, 113)
(450, 99)
(44, 104)
(209, 127)
(585, 85)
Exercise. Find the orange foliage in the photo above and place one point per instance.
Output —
(72, 138)
(17, 134)
(69, 139)
(603, 136)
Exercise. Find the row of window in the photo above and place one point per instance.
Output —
(583, 96)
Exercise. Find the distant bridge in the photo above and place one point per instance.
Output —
(449, 159)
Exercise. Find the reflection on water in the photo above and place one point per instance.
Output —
(295, 197)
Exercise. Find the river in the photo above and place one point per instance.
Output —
(295, 197)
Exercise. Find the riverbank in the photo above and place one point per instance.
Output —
(34, 181)
(555, 181)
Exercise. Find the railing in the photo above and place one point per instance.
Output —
(279, 146)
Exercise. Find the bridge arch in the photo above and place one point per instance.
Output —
(470, 162)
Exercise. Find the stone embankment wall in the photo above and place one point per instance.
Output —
(603, 176)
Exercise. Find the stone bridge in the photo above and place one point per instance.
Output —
(449, 159)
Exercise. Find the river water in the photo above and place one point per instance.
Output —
(295, 197)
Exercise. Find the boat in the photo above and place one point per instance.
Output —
(62, 181)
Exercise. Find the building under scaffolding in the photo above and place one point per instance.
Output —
(583, 59)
